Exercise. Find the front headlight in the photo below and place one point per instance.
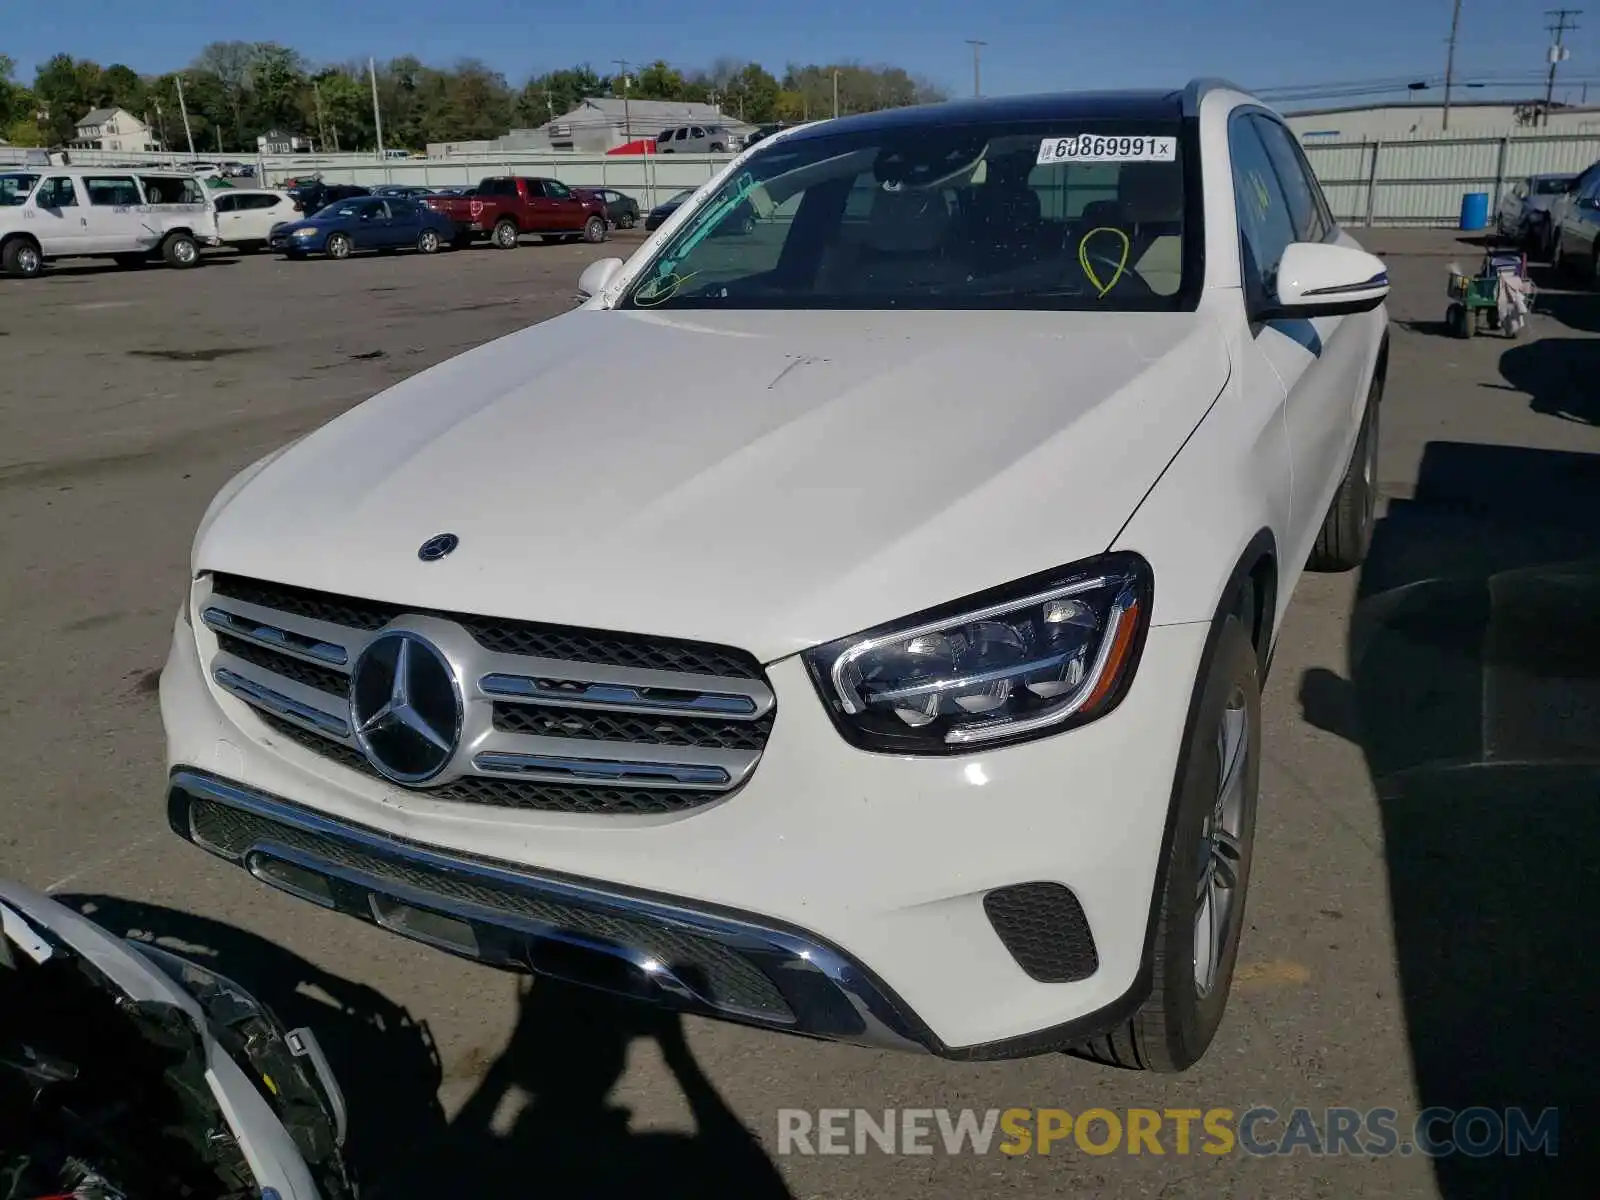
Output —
(305, 233)
(1015, 663)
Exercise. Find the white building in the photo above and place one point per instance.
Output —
(113, 129)
(1471, 118)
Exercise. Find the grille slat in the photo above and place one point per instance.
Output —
(486, 648)
(729, 979)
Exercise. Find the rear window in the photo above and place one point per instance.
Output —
(1550, 187)
(1057, 214)
(15, 187)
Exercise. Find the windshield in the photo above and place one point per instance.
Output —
(1024, 214)
(1551, 187)
(14, 188)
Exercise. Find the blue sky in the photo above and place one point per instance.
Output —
(1034, 45)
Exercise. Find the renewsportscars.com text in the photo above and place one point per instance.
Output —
(1258, 1130)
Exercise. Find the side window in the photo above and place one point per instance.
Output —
(556, 190)
(498, 187)
(228, 204)
(265, 201)
(1299, 190)
(697, 132)
(1265, 227)
(56, 193)
(163, 189)
(111, 191)
(680, 135)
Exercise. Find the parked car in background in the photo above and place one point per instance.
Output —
(1575, 245)
(315, 195)
(741, 220)
(761, 132)
(1525, 208)
(622, 211)
(246, 216)
(348, 227)
(504, 207)
(659, 214)
(697, 139)
(412, 190)
(127, 215)
(1562, 204)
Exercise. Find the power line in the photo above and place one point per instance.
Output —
(1558, 52)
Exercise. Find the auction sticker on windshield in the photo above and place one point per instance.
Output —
(1089, 147)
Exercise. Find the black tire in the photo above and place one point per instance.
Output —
(627, 220)
(22, 258)
(1557, 257)
(595, 230)
(1173, 1028)
(428, 242)
(130, 261)
(180, 251)
(1455, 318)
(338, 246)
(506, 235)
(1346, 533)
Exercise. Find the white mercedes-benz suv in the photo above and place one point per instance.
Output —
(851, 619)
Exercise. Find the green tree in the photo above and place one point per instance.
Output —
(120, 86)
(58, 85)
(277, 86)
(751, 94)
(346, 110)
(556, 93)
(229, 63)
(658, 81)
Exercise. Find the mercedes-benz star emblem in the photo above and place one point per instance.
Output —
(405, 707)
(437, 547)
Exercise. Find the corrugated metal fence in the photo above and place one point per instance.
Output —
(1420, 181)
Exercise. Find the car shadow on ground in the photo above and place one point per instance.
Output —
(1561, 375)
(82, 268)
(567, 1052)
(1474, 689)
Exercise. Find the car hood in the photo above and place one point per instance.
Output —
(769, 480)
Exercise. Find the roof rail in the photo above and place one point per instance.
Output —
(1198, 88)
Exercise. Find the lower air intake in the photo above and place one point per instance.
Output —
(1044, 928)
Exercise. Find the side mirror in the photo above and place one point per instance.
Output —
(596, 276)
(1316, 279)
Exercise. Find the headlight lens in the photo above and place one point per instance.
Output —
(305, 233)
(1026, 660)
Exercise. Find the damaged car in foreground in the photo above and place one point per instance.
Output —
(130, 1073)
(882, 659)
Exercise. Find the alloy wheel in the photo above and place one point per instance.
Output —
(1218, 885)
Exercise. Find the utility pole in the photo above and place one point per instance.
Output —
(161, 121)
(977, 52)
(377, 116)
(184, 108)
(1450, 61)
(627, 113)
(836, 93)
(1558, 52)
(322, 125)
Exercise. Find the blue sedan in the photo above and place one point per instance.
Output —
(364, 223)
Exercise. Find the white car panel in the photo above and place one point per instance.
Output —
(870, 427)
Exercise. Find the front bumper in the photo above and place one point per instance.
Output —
(854, 884)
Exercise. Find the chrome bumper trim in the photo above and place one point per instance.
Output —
(828, 994)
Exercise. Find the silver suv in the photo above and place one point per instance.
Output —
(697, 139)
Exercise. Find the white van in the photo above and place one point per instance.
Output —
(126, 214)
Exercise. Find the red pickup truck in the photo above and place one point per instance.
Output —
(504, 207)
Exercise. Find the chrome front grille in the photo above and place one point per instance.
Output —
(558, 719)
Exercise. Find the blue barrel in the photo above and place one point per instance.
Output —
(1475, 210)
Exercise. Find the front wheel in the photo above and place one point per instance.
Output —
(1206, 873)
(338, 246)
(181, 251)
(627, 220)
(22, 259)
(505, 235)
(1346, 532)
(594, 230)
